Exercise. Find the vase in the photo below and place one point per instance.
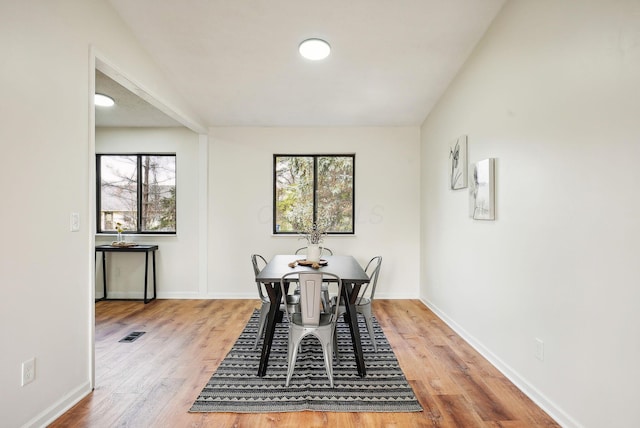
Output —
(313, 252)
(119, 237)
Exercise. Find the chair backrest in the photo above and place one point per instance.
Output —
(258, 263)
(324, 251)
(373, 270)
(310, 294)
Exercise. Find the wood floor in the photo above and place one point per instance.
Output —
(153, 381)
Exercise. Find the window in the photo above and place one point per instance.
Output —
(138, 191)
(313, 188)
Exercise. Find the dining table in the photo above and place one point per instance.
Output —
(346, 267)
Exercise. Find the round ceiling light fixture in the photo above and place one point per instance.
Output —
(103, 100)
(314, 49)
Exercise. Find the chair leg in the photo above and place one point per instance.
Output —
(328, 359)
(261, 324)
(293, 354)
(326, 300)
(370, 330)
(366, 312)
(335, 344)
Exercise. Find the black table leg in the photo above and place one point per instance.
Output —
(104, 276)
(146, 274)
(352, 320)
(275, 293)
(153, 259)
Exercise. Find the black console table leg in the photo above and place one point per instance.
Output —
(146, 274)
(153, 259)
(104, 276)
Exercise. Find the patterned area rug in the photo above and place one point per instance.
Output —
(236, 387)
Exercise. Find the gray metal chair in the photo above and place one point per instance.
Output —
(259, 263)
(365, 297)
(311, 320)
(326, 299)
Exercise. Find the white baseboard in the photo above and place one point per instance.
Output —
(208, 296)
(216, 295)
(161, 295)
(124, 295)
(559, 415)
(180, 295)
(59, 408)
(395, 296)
(227, 296)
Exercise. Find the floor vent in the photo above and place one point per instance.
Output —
(132, 336)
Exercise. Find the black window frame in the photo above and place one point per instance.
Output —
(315, 157)
(138, 231)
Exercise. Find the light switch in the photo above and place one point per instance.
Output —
(75, 222)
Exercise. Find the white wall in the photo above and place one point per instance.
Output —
(241, 192)
(46, 273)
(177, 257)
(553, 93)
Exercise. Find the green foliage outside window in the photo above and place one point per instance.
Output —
(314, 189)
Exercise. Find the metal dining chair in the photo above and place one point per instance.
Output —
(293, 300)
(326, 299)
(365, 297)
(311, 320)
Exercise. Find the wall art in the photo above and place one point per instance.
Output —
(458, 163)
(482, 189)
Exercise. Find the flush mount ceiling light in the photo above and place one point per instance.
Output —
(314, 49)
(103, 100)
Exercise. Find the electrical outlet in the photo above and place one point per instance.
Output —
(539, 353)
(75, 222)
(28, 371)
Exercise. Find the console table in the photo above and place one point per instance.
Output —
(146, 249)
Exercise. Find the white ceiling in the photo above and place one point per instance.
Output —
(129, 110)
(237, 61)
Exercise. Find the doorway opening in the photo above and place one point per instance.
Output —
(135, 110)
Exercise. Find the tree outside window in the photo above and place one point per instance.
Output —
(137, 191)
(313, 189)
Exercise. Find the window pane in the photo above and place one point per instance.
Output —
(294, 192)
(118, 185)
(158, 193)
(314, 188)
(335, 192)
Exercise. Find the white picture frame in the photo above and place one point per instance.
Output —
(458, 163)
(482, 190)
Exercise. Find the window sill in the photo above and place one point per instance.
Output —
(136, 235)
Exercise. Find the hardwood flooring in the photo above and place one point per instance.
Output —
(153, 381)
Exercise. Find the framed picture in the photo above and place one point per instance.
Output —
(458, 163)
(481, 190)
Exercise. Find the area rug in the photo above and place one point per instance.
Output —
(236, 387)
